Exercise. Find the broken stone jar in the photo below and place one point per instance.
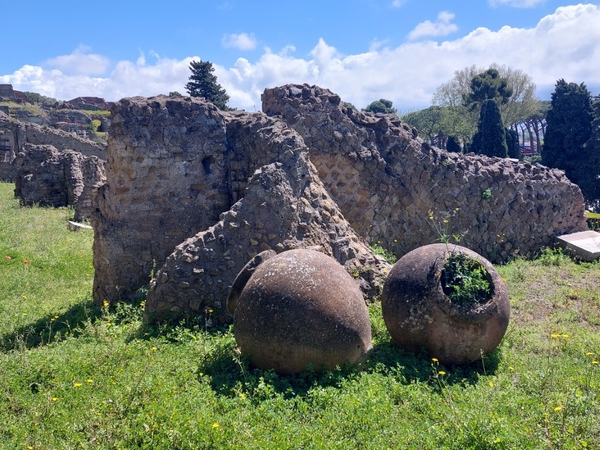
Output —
(299, 309)
(419, 314)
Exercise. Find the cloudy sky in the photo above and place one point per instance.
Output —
(363, 50)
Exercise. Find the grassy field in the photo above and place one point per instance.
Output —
(76, 376)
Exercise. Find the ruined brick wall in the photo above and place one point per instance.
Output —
(49, 177)
(173, 166)
(387, 181)
(21, 133)
(193, 192)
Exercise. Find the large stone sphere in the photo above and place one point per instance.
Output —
(419, 315)
(297, 309)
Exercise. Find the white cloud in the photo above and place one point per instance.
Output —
(398, 3)
(565, 44)
(80, 62)
(441, 27)
(516, 3)
(241, 41)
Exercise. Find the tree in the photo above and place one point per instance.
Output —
(381, 106)
(512, 143)
(568, 129)
(488, 85)
(40, 99)
(589, 174)
(453, 145)
(203, 83)
(436, 123)
(490, 138)
(520, 104)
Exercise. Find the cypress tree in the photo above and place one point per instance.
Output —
(452, 145)
(512, 143)
(490, 138)
(569, 127)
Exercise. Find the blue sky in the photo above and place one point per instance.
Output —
(363, 50)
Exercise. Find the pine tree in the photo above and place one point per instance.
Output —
(203, 83)
(490, 138)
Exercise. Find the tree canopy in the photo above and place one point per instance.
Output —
(569, 127)
(381, 106)
(488, 85)
(203, 83)
(520, 104)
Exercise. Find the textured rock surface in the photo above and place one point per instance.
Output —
(285, 207)
(14, 135)
(178, 199)
(173, 167)
(301, 308)
(50, 177)
(386, 181)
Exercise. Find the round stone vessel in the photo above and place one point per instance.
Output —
(297, 309)
(418, 314)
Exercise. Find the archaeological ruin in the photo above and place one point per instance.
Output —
(49, 177)
(192, 193)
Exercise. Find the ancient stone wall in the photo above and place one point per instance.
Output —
(285, 207)
(49, 177)
(389, 183)
(6, 91)
(173, 166)
(192, 193)
(17, 134)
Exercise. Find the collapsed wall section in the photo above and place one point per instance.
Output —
(49, 177)
(173, 166)
(395, 189)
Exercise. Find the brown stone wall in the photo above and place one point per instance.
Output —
(49, 177)
(192, 193)
(387, 181)
(173, 166)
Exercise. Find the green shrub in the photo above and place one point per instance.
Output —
(465, 280)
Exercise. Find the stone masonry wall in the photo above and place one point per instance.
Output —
(50, 177)
(389, 183)
(192, 193)
(173, 166)
(20, 133)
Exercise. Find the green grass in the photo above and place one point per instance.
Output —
(76, 376)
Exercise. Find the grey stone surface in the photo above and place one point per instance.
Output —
(584, 245)
(47, 176)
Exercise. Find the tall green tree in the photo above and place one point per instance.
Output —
(381, 106)
(589, 173)
(435, 124)
(568, 129)
(488, 85)
(512, 143)
(519, 106)
(203, 83)
(453, 145)
(490, 138)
